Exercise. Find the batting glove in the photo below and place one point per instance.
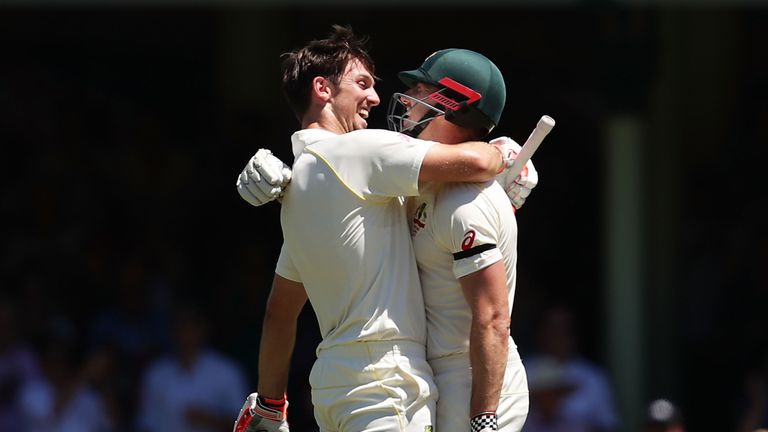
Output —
(520, 187)
(484, 422)
(264, 178)
(259, 414)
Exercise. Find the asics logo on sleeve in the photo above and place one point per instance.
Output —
(469, 240)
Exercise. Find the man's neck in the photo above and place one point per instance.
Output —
(321, 125)
(323, 119)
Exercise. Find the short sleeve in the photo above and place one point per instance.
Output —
(469, 228)
(375, 163)
(285, 266)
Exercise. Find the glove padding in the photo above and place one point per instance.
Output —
(264, 178)
(256, 416)
(484, 422)
(520, 187)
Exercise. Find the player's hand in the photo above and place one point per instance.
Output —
(520, 187)
(257, 416)
(264, 178)
(484, 422)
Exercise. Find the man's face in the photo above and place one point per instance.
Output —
(414, 113)
(354, 97)
(437, 127)
(417, 111)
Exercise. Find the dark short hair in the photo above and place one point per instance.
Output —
(327, 58)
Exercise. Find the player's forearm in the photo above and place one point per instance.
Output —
(277, 341)
(488, 353)
(486, 293)
(483, 162)
(278, 335)
(474, 161)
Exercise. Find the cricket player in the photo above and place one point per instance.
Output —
(465, 239)
(347, 249)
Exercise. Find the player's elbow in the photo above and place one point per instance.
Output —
(271, 317)
(275, 315)
(494, 321)
(500, 325)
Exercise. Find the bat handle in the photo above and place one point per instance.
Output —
(546, 122)
(543, 127)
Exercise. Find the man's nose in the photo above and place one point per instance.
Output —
(373, 98)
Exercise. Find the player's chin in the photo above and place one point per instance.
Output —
(361, 124)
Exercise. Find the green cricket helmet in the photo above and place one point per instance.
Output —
(471, 92)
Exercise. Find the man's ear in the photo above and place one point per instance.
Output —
(321, 88)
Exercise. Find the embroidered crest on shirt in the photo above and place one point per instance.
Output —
(419, 220)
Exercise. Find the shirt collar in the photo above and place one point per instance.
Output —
(302, 138)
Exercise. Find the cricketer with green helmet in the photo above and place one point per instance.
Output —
(465, 243)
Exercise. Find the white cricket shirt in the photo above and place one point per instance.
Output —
(458, 229)
(346, 235)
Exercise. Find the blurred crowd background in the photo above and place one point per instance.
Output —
(133, 277)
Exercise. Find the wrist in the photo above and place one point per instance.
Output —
(484, 422)
(272, 402)
(272, 409)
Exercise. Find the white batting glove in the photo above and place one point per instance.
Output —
(264, 178)
(520, 187)
(256, 416)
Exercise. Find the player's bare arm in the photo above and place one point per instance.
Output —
(474, 161)
(266, 410)
(279, 335)
(486, 292)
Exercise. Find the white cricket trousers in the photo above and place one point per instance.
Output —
(453, 376)
(373, 387)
